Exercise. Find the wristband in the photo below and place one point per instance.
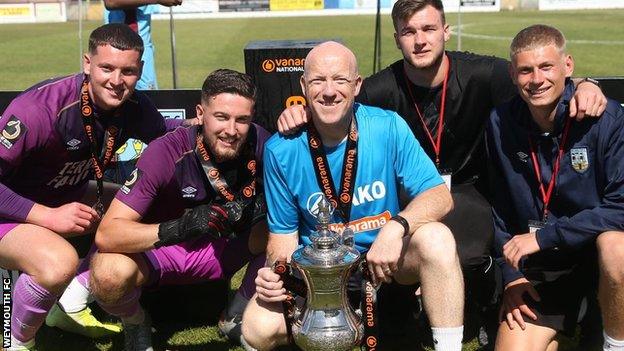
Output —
(402, 221)
(590, 80)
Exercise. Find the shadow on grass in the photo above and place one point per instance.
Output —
(184, 317)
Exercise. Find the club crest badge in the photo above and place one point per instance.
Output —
(579, 159)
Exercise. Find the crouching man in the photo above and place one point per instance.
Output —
(408, 246)
(558, 196)
(191, 211)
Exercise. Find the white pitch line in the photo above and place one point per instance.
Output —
(497, 37)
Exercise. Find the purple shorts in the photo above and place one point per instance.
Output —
(6, 225)
(196, 261)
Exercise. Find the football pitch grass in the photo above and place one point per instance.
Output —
(33, 52)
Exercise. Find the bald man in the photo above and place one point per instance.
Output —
(405, 246)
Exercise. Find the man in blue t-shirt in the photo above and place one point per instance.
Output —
(389, 163)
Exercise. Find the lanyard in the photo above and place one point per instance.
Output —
(101, 161)
(547, 194)
(323, 174)
(436, 144)
(233, 206)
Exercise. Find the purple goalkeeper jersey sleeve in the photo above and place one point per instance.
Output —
(45, 154)
(169, 177)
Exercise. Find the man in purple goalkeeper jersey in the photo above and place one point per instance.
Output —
(191, 211)
(49, 137)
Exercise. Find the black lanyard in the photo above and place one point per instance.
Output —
(99, 161)
(341, 202)
(236, 203)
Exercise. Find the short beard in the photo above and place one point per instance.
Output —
(227, 155)
(223, 154)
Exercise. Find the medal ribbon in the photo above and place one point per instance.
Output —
(436, 144)
(547, 194)
(323, 174)
(106, 154)
(218, 183)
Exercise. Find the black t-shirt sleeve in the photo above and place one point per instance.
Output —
(501, 85)
(379, 90)
(363, 96)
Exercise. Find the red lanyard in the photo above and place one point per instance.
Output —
(547, 194)
(438, 142)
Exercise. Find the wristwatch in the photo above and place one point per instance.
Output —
(402, 221)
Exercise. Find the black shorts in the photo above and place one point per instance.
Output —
(473, 228)
(562, 283)
(471, 224)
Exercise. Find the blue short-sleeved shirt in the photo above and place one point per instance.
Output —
(390, 162)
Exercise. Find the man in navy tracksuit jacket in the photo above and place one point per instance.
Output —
(558, 200)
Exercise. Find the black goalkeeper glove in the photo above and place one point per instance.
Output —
(201, 220)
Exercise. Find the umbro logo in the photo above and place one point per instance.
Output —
(522, 156)
(189, 191)
(73, 144)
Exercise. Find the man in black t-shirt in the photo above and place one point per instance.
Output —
(431, 87)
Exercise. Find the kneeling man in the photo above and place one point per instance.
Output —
(558, 198)
(372, 158)
(191, 211)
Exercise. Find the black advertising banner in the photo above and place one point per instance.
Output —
(276, 66)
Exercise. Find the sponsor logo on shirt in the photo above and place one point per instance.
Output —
(364, 224)
(522, 156)
(579, 159)
(369, 193)
(313, 202)
(189, 192)
(12, 131)
(129, 184)
(361, 194)
(71, 173)
(73, 144)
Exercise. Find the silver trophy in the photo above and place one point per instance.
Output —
(327, 322)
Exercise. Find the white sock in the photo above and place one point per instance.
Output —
(136, 318)
(448, 339)
(611, 344)
(74, 298)
(14, 342)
